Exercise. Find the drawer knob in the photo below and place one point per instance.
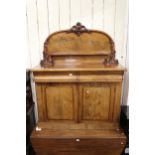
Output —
(70, 74)
(77, 140)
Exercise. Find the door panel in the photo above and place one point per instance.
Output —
(60, 101)
(78, 102)
(95, 101)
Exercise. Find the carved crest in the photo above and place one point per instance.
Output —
(78, 29)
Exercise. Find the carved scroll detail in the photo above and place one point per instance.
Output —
(47, 60)
(110, 60)
(78, 29)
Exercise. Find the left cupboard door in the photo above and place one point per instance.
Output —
(56, 101)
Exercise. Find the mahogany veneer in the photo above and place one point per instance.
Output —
(78, 88)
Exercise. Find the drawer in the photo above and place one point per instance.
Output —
(66, 144)
(79, 146)
(102, 152)
(55, 77)
(76, 77)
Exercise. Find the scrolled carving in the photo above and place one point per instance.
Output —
(78, 29)
(47, 60)
(112, 46)
(110, 60)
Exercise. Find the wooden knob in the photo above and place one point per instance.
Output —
(77, 140)
(70, 74)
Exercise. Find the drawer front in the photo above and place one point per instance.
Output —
(77, 77)
(78, 146)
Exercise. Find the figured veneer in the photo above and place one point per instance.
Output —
(77, 46)
(78, 89)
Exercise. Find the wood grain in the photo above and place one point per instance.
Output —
(40, 93)
(82, 125)
(95, 101)
(79, 41)
(116, 111)
(61, 43)
(94, 67)
(78, 96)
(60, 101)
(63, 94)
(108, 142)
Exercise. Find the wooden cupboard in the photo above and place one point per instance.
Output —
(78, 102)
(78, 89)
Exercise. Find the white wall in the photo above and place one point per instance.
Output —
(46, 16)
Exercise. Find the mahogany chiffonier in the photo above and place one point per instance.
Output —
(78, 89)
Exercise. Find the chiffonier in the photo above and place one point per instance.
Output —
(78, 88)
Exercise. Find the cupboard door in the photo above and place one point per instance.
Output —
(56, 101)
(60, 100)
(96, 101)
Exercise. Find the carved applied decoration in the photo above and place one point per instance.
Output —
(78, 29)
(47, 60)
(110, 59)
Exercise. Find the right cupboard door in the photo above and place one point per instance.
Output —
(98, 102)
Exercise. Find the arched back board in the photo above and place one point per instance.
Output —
(78, 46)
